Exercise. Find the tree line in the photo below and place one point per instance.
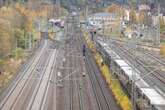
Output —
(17, 21)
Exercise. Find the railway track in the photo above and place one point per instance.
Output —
(160, 62)
(10, 98)
(31, 89)
(156, 58)
(123, 52)
(79, 82)
(71, 83)
(49, 101)
(101, 98)
(31, 82)
(38, 101)
(62, 93)
(76, 78)
(68, 83)
(75, 95)
(104, 100)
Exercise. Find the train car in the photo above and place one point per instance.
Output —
(103, 49)
(124, 72)
(147, 98)
(152, 100)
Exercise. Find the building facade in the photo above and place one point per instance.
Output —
(102, 19)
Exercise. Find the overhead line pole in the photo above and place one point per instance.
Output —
(86, 12)
(158, 29)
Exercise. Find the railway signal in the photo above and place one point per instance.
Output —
(93, 32)
(83, 74)
(84, 50)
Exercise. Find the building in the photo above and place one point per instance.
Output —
(144, 7)
(102, 19)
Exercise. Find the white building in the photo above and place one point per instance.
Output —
(102, 19)
(144, 7)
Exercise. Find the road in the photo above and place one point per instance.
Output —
(58, 77)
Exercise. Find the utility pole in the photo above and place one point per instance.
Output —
(103, 26)
(30, 40)
(122, 17)
(58, 8)
(16, 46)
(54, 8)
(133, 91)
(86, 12)
(123, 11)
(139, 19)
(158, 27)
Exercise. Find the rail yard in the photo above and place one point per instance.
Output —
(82, 55)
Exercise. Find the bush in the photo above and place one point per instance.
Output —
(1, 62)
(162, 50)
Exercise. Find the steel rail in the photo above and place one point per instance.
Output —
(38, 85)
(25, 85)
(21, 77)
(102, 98)
(140, 62)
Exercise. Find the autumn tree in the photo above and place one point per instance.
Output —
(17, 22)
(5, 38)
(7, 22)
(141, 17)
(133, 17)
(144, 18)
(114, 9)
